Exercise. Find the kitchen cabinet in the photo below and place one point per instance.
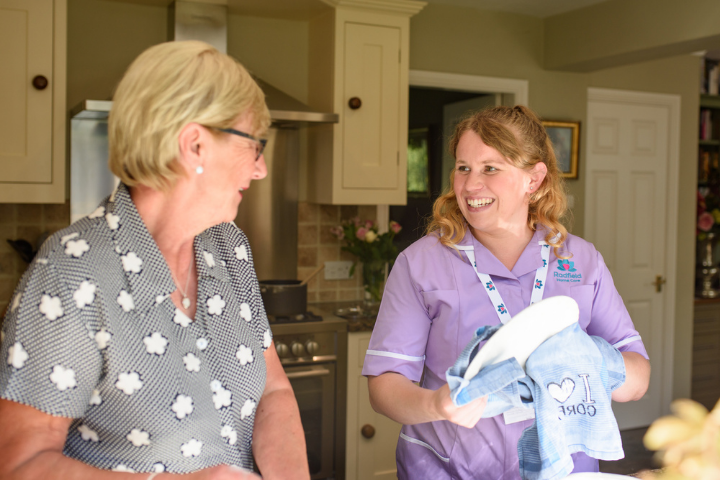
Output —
(705, 385)
(359, 69)
(32, 94)
(371, 438)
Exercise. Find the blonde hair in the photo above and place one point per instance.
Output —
(168, 86)
(515, 132)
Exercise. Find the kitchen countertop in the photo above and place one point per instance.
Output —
(328, 309)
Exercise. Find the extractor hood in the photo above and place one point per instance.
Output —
(189, 20)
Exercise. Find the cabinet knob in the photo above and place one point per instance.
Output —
(367, 431)
(312, 347)
(354, 103)
(282, 350)
(39, 82)
(297, 349)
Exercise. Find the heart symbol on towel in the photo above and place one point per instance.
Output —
(563, 391)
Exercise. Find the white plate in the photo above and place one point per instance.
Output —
(525, 332)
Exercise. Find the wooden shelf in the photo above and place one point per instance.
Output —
(709, 101)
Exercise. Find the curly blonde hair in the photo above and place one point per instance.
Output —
(515, 132)
(168, 86)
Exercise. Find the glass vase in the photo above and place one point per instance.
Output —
(373, 277)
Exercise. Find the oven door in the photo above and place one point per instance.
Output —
(314, 387)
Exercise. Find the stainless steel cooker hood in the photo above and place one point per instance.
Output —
(189, 20)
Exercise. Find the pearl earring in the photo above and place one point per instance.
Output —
(199, 170)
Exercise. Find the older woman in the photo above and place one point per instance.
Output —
(504, 205)
(137, 340)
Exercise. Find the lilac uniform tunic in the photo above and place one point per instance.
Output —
(434, 301)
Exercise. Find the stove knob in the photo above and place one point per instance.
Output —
(312, 347)
(297, 349)
(282, 350)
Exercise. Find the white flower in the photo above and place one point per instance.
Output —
(95, 399)
(241, 253)
(76, 248)
(215, 385)
(17, 355)
(129, 382)
(228, 432)
(63, 378)
(181, 319)
(222, 398)
(99, 212)
(131, 262)
(102, 338)
(267, 338)
(247, 409)
(64, 239)
(209, 259)
(244, 354)
(123, 468)
(370, 236)
(87, 434)
(160, 298)
(215, 305)
(113, 221)
(126, 301)
(42, 261)
(192, 448)
(85, 294)
(158, 467)
(16, 302)
(51, 307)
(192, 363)
(245, 312)
(138, 437)
(155, 343)
(183, 406)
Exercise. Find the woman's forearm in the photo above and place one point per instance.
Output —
(278, 437)
(637, 378)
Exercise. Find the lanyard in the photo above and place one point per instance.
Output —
(492, 291)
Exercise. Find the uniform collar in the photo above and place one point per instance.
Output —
(530, 259)
(151, 281)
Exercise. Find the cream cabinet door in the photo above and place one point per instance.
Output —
(26, 50)
(371, 132)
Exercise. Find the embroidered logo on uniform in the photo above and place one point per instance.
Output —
(568, 270)
(501, 308)
(538, 284)
(490, 286)
(566, 266)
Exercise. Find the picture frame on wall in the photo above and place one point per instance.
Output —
(565, 137)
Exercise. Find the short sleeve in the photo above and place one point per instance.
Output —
(610, 319)
(400, 334)
(49, 358)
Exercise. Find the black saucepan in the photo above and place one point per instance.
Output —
(284, 297)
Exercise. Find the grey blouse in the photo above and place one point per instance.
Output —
(92, 334)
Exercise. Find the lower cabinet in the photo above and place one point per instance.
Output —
(371, 437)
(706, 353)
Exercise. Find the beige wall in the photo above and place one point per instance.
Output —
(470, 41)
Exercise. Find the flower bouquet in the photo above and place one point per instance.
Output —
(374, 250)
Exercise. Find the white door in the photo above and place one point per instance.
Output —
(452, 114)
(629, 153)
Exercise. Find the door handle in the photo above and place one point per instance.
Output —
(659, 281)
(308, 373)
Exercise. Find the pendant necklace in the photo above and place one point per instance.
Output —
(185, 301)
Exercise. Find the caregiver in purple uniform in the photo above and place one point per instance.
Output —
(506, 200)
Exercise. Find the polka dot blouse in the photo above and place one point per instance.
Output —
(92, 334)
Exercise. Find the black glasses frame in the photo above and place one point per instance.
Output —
(261, 141)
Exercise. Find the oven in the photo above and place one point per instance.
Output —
(313, 353)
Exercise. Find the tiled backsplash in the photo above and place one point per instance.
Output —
(29, 222)
(317, 245)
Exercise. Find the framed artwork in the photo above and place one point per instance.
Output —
(565, 137)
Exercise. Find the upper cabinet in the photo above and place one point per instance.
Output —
(359, 69)
(32, 95)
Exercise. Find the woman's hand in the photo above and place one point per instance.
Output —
(466, 416)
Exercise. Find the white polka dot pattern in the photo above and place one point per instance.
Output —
(92, 334)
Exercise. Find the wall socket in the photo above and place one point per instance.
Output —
(337, 270)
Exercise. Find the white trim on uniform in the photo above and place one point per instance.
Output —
(625, 341)
(400, 356)
(423, 444)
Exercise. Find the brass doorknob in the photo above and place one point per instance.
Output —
(367, 431)
(659, 281)
(354, 103)
(39, 82)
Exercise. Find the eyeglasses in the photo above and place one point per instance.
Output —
(261, 142)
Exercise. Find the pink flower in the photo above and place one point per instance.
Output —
(395, 227)
(369, 224)
(705, 221)
(338, 232)
(361, 232)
